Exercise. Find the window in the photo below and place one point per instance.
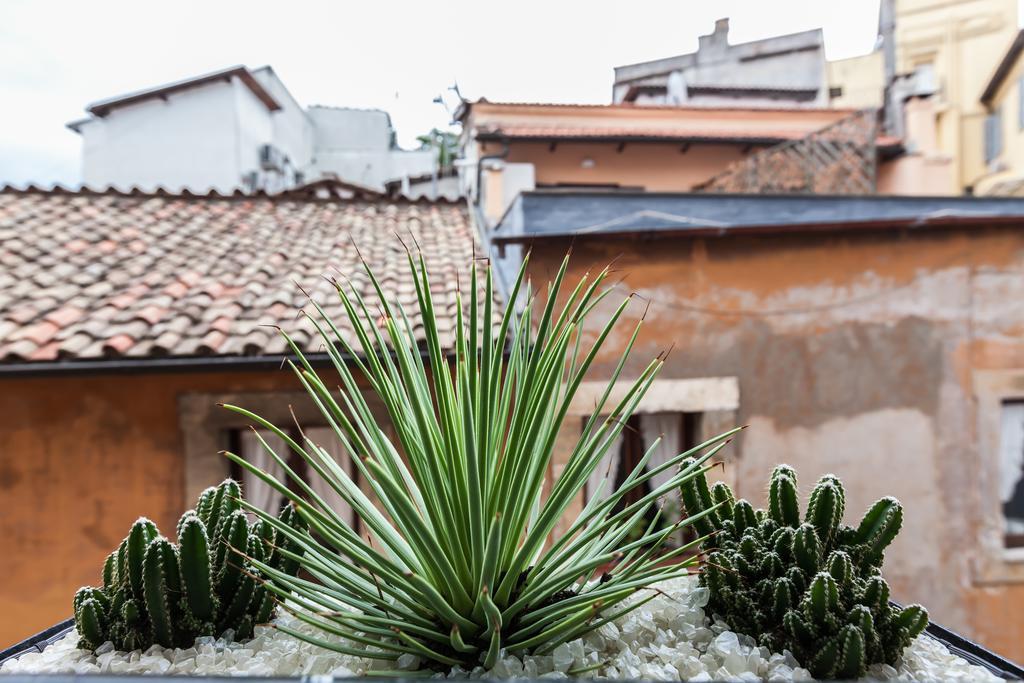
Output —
(678, 431)
(1020, 103)
(1011, 472)
(259, 493)
(993, 136)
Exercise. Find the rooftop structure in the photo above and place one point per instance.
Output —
(236, 129)
(784, 70)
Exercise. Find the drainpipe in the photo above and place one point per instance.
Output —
(887, 36)
(485, 225)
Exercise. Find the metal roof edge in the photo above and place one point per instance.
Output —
(909, 223)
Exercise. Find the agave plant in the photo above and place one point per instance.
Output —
(458, 563)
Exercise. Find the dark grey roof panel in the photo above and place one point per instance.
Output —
(551, 213)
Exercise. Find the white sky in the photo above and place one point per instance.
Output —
(55, 57)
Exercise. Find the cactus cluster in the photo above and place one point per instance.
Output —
(158, 592)
(813, 585)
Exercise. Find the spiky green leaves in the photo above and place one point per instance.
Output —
(697, 496)
(458, 564)
(813, 587)
(157, 592)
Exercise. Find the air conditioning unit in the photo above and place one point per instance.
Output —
(250, 181)
(271, 158)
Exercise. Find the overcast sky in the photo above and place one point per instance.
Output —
(55, 57)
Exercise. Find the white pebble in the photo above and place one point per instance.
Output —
(669, 638)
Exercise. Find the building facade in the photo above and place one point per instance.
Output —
(877, 338)
(236, 129)
(128, 318)
(1003, 99)
(513, 147)
(955, 47)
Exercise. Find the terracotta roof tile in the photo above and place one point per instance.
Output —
(114, 274)
(747, 133)
(63, 317)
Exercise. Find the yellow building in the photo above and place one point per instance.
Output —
(857, 82)
(1003, 99)
(959, 43)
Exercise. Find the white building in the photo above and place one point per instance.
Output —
(237, 129)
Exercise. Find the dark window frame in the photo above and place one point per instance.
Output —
(1012, 540)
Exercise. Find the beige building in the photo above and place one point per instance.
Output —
(956, 45)
(1004, 127)
(857, 82)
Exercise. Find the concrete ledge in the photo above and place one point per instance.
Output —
(665, 395)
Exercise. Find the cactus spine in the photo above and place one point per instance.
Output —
(158, 592)
(812, 586)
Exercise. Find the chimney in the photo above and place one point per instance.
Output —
(714, 45)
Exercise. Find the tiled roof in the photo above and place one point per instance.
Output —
(644, 132)
(93, 275)
(747, 134)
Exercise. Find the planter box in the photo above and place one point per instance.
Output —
(958, 645)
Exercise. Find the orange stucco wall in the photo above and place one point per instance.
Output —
(855, 354)
(81, 459)
(650, 166)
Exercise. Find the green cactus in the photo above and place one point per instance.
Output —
(199, 603)
(158, 592)
(812, 587)
(89, 616)
(783, 506)
(157, 563)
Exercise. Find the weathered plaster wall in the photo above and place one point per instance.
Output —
(855, 354)
(81, 459)
(660, 167)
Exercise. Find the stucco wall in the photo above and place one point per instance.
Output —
(82, 458)
(652, 166)
(855, 354)
(188, 141)
(861, 78)
(293, 132)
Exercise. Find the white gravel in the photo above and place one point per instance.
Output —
(670, 638)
